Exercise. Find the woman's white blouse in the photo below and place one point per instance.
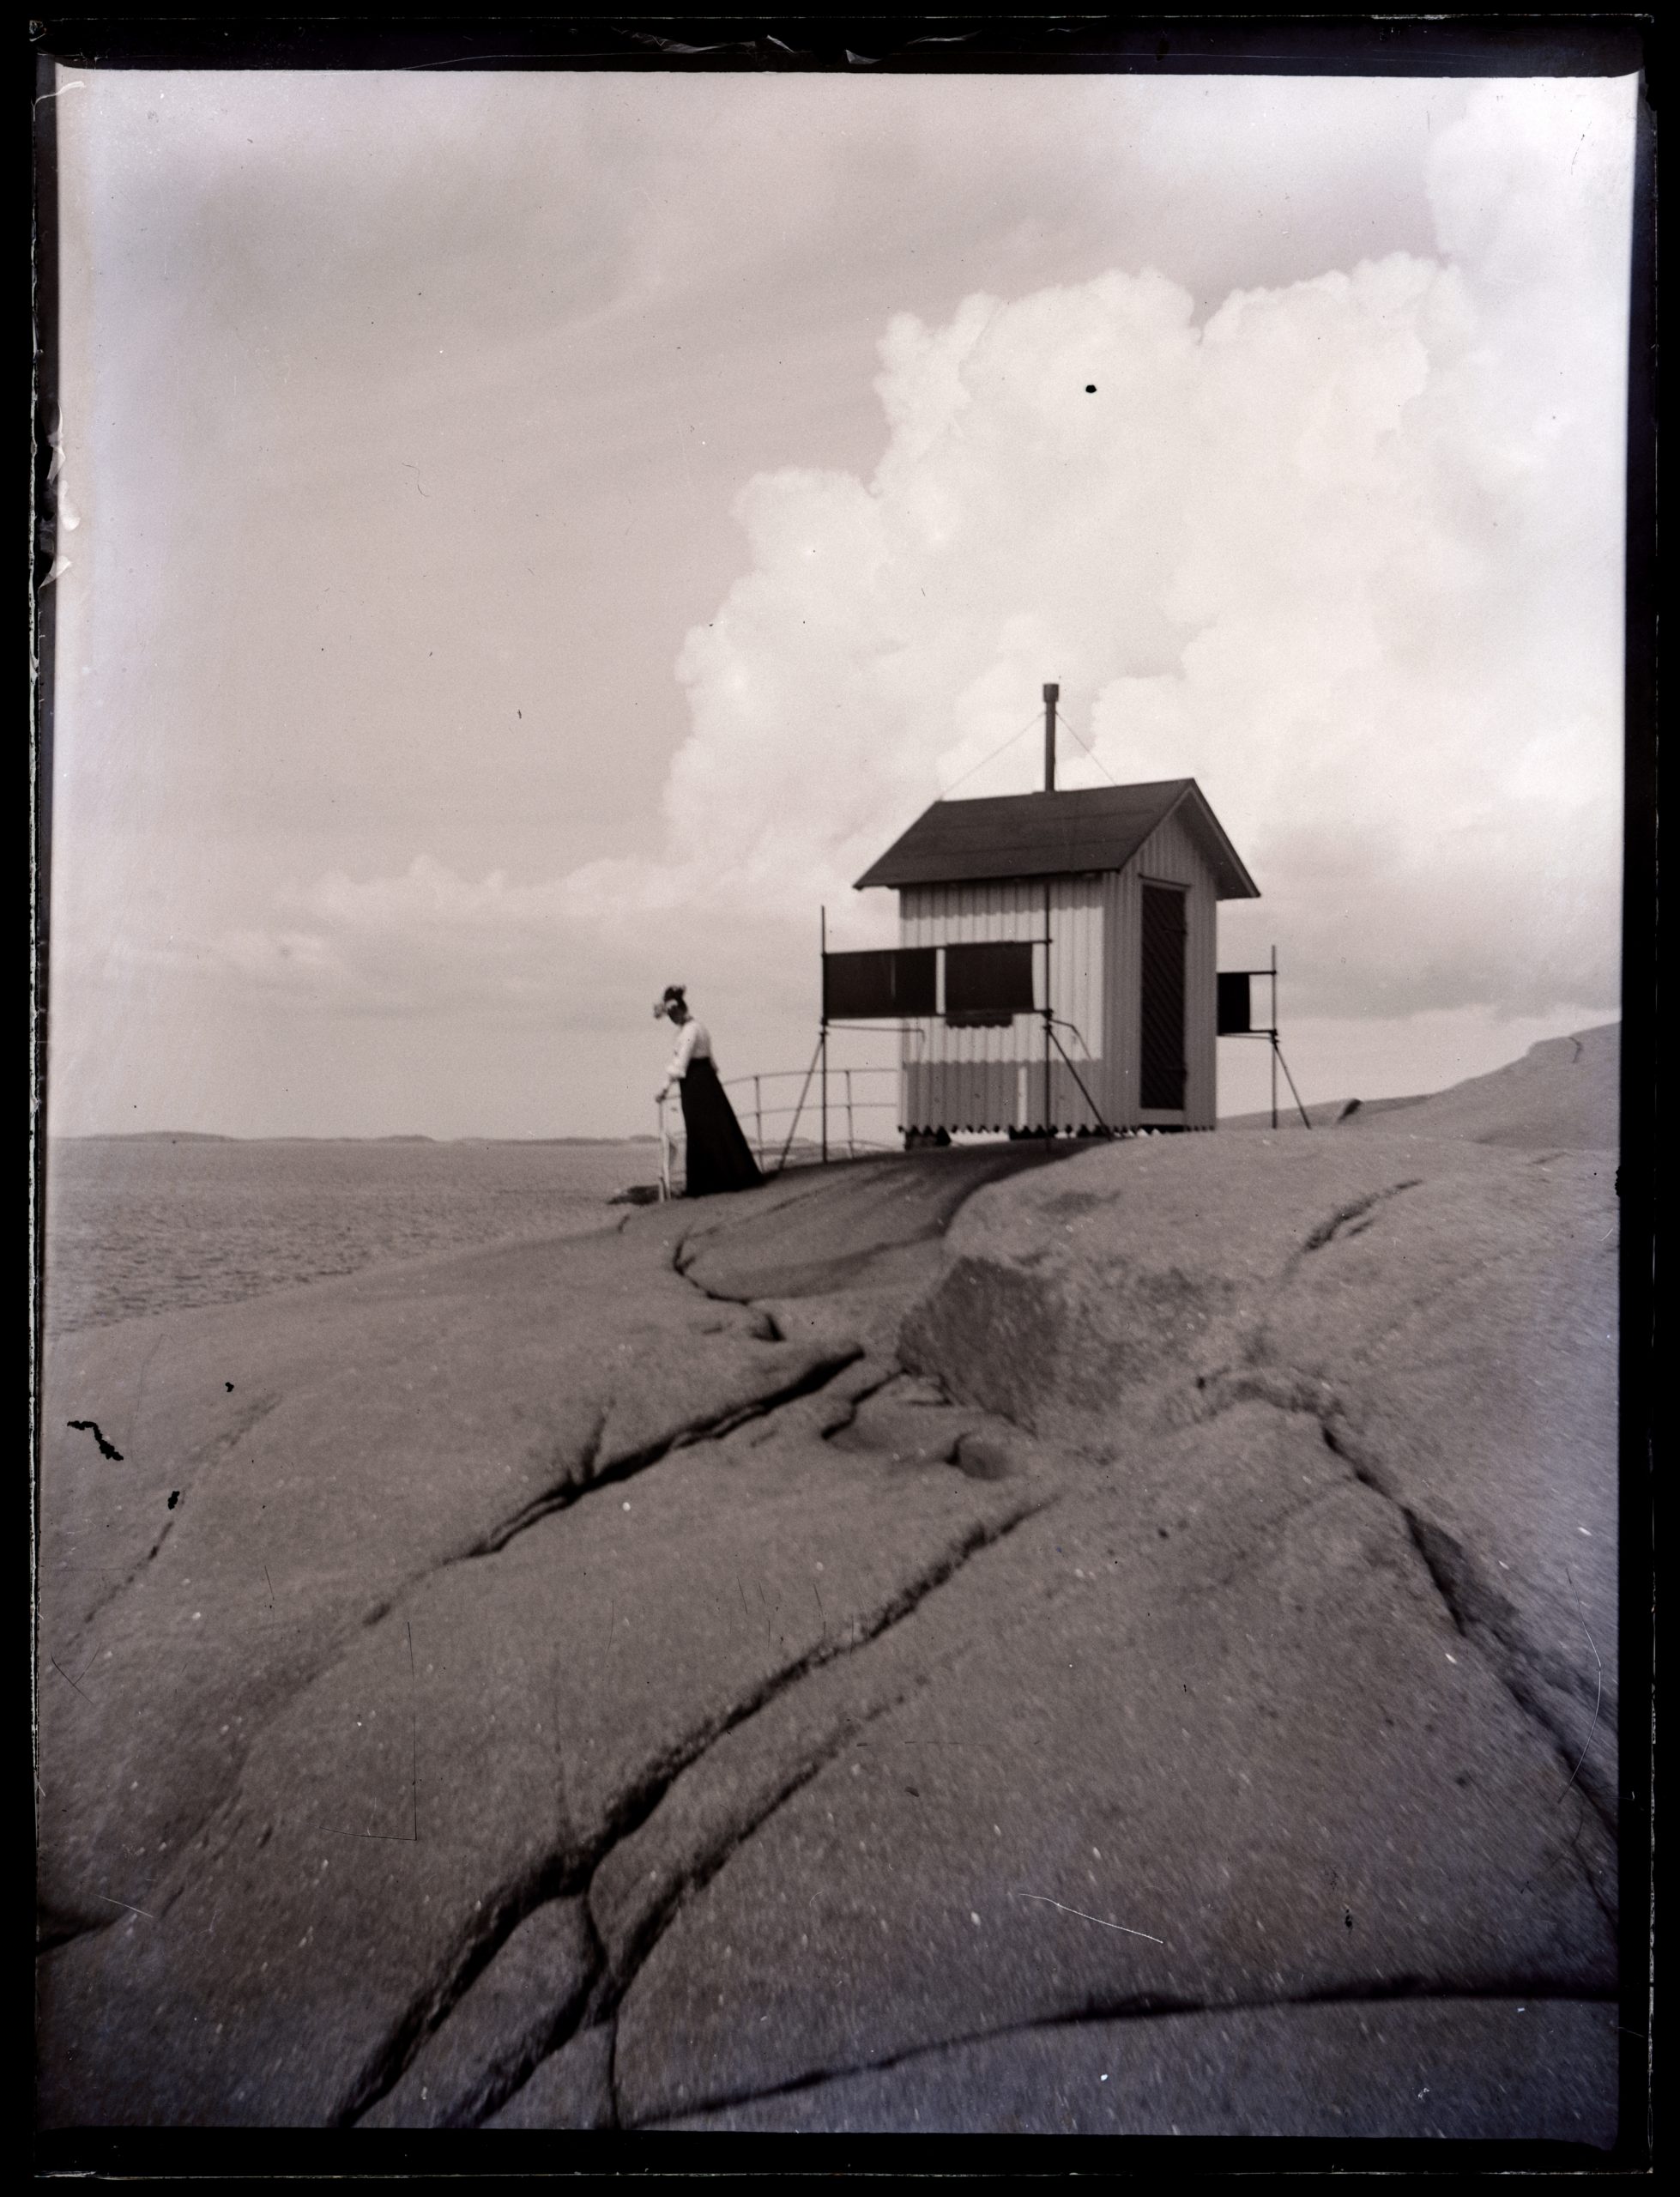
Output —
(694, 1044)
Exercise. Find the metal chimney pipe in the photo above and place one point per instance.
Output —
(1050, 695)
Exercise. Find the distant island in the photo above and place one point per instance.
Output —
(149, 1136)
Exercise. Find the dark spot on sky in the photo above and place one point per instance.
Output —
(1091, 389)
(228, 1385)
(174, 1498)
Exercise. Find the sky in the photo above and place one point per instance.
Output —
(528, 539)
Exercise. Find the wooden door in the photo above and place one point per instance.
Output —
(1163, 1068)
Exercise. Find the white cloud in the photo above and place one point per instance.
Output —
(1349, 553)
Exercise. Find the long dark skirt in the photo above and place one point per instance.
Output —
(719, 1156)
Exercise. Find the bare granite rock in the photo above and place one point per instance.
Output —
(1212, 1757)
(1540, 2069)
(571, 2089)
(479, 1742)
(884, 1650)
(341, 1442)
(500, 2027)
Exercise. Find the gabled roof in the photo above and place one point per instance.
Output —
(1054, 835)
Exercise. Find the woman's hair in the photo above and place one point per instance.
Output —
(674, 995)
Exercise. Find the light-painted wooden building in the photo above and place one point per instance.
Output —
(1124, 882)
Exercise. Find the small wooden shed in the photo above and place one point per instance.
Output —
(1124, 883)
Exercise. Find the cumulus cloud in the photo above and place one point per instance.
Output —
(1348, 552)
(428, 941)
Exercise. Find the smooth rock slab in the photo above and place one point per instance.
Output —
(862, 1223)
(1543, 2070)
(1565, 1093)
(571, 2089)
(504, 2022)
(480, 1739)
(1263, 1743)
(1128, 1271)
(1467, 1332)
(1448, 1311)
(728, 1791)
(406, 1417)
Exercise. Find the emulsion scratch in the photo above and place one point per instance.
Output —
(1598, 1699)
(123, 1904)
(1047, 1901)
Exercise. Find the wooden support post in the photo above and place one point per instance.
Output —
(1049, 1031)
(799, 1111)
(1277, 1057)
(823, 1042)
(1051, 694)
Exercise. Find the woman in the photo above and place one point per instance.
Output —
(718, 1155)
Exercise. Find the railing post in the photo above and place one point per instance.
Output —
(759, 1121)
(851, 1144)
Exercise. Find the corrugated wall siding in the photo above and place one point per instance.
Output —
(1168, 856)
(994, 1080)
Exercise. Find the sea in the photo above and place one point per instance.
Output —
(152, 1224)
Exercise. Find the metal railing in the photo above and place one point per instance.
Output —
(854, 1119)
